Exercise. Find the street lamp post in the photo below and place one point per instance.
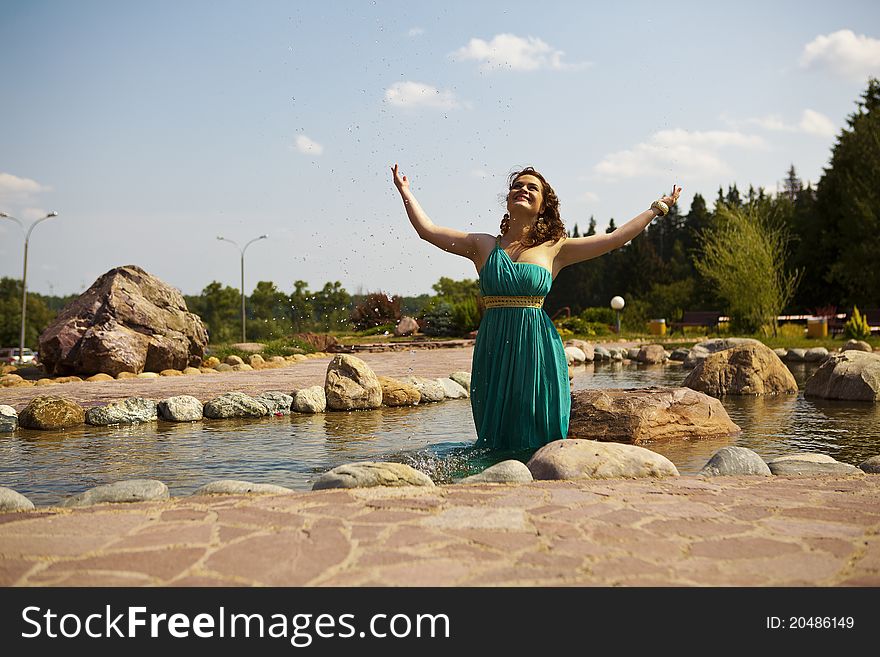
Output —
(27, 238)
(242, 250)
(617, 304)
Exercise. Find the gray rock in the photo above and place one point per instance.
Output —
(398, 393)
(679, 354)
(588, 459)
(369, 474)
(406, 326)
(735, 461)
(453, 390)
(647, 414)
(695, 355)
(182, 408)
(815, 355)
(234, 404)
(309, 400)
(617, 354)
(801, 468)
(703, 349)
(132, 490)
(8, 419)
(601, 353)
(857, 345)
(633, 353)
(748, 369)
(574, 355)
(133, 410)
(795, 355)
(871, 465)
(232, 360)
(804, 456)
(781, 352)
(852, 375)
(510, 471)
(351, 385)
(651, 354)
(235, 487)
(462, 378)
(277, 403)
(13, 501)
(584, 346)
(223, 367)
(429, 389)
(49, 413)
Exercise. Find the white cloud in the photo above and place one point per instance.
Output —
(812, 123)
(508, 51)
(13, 188)
(308, 146)
(418, 94)
(684, 153)
(415, 31)
(818, 124)
(854, 55)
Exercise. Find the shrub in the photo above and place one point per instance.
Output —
(376, 309)
(791, 330)
(599, 316)
(856, 328)
(466, 315)
(438, 320)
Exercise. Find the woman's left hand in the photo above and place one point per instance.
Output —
(670, 200)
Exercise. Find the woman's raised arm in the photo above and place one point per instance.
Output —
(448, 239)
(578, 249)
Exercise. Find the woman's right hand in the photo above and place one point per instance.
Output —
(400, 181)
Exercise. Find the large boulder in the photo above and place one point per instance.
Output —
(406, 326)
(127, 321)
(588, 459)
(651, 354)
(704, 349)
(856, 345)
(234, 404)
(398, 393)
(371, 473)
(276, 403)
(431, 390)
(506, 472)
(132, 490)
(734, 460)
(646, 414)
(852, 375)
(11, 500)
(48, 413)
(747, 369)
(8, 419)
(350, 385)
(182, 408)
(309, 400)
(133, 410)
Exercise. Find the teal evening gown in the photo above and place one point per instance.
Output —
(520, 394)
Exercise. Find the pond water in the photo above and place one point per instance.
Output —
(435, 438)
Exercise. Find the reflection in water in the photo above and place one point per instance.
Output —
(435, 438)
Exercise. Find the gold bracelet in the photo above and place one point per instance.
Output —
(661, 206)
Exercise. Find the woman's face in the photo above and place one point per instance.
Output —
(526, 193)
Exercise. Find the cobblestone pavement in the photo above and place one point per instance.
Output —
(742, 531)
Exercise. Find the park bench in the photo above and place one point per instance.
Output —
(706, 318)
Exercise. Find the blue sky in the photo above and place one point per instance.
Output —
(153, 127)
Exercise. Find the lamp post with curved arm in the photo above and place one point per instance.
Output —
(242, 250)
(27, 238)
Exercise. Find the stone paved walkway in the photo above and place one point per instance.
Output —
(745, 531)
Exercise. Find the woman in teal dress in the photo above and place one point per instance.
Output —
(519, 380)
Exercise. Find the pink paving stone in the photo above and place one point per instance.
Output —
(408, 535)
(162, 564)
(160, 535)
(616, 569)
(831, 515)
(547, 509)
(553, 529)
(194, 515)
(386, 558)
(282, 558)
(336, 511)
(579, 548)
(40, 545)
(430, 572)
(388, 516)
(622, 517)
(11, 570)
(75, 524)
(581, 515)
(862, 580)
(259, 518)
(797, 527)
(98, 579)
(661, 550)
(549, 560)
(230, 533)
(202, 581)
(328, 497)
(464, 553)
(743, 548)
(526, 576)
(366, 533)
(499, 540)
(795, 570)
(678, 509)
(749, 512)
(699, 527)
(467, 498)
(836, 546)
(425, 503)
(612, 535)
(523, 498)
(18, 516)
(569, 497)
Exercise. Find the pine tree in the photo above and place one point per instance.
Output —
(792, 185)
(611, 227)
(591, 230)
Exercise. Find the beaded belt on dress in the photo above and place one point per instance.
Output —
(513, 302)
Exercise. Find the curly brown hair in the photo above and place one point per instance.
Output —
(548, 226)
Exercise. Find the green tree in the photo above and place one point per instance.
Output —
(455, 291)
(220, 309)
(38, 315)
(268, 312)
(332, 307)
(848, 201)
(743, 257)
(301, 310)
